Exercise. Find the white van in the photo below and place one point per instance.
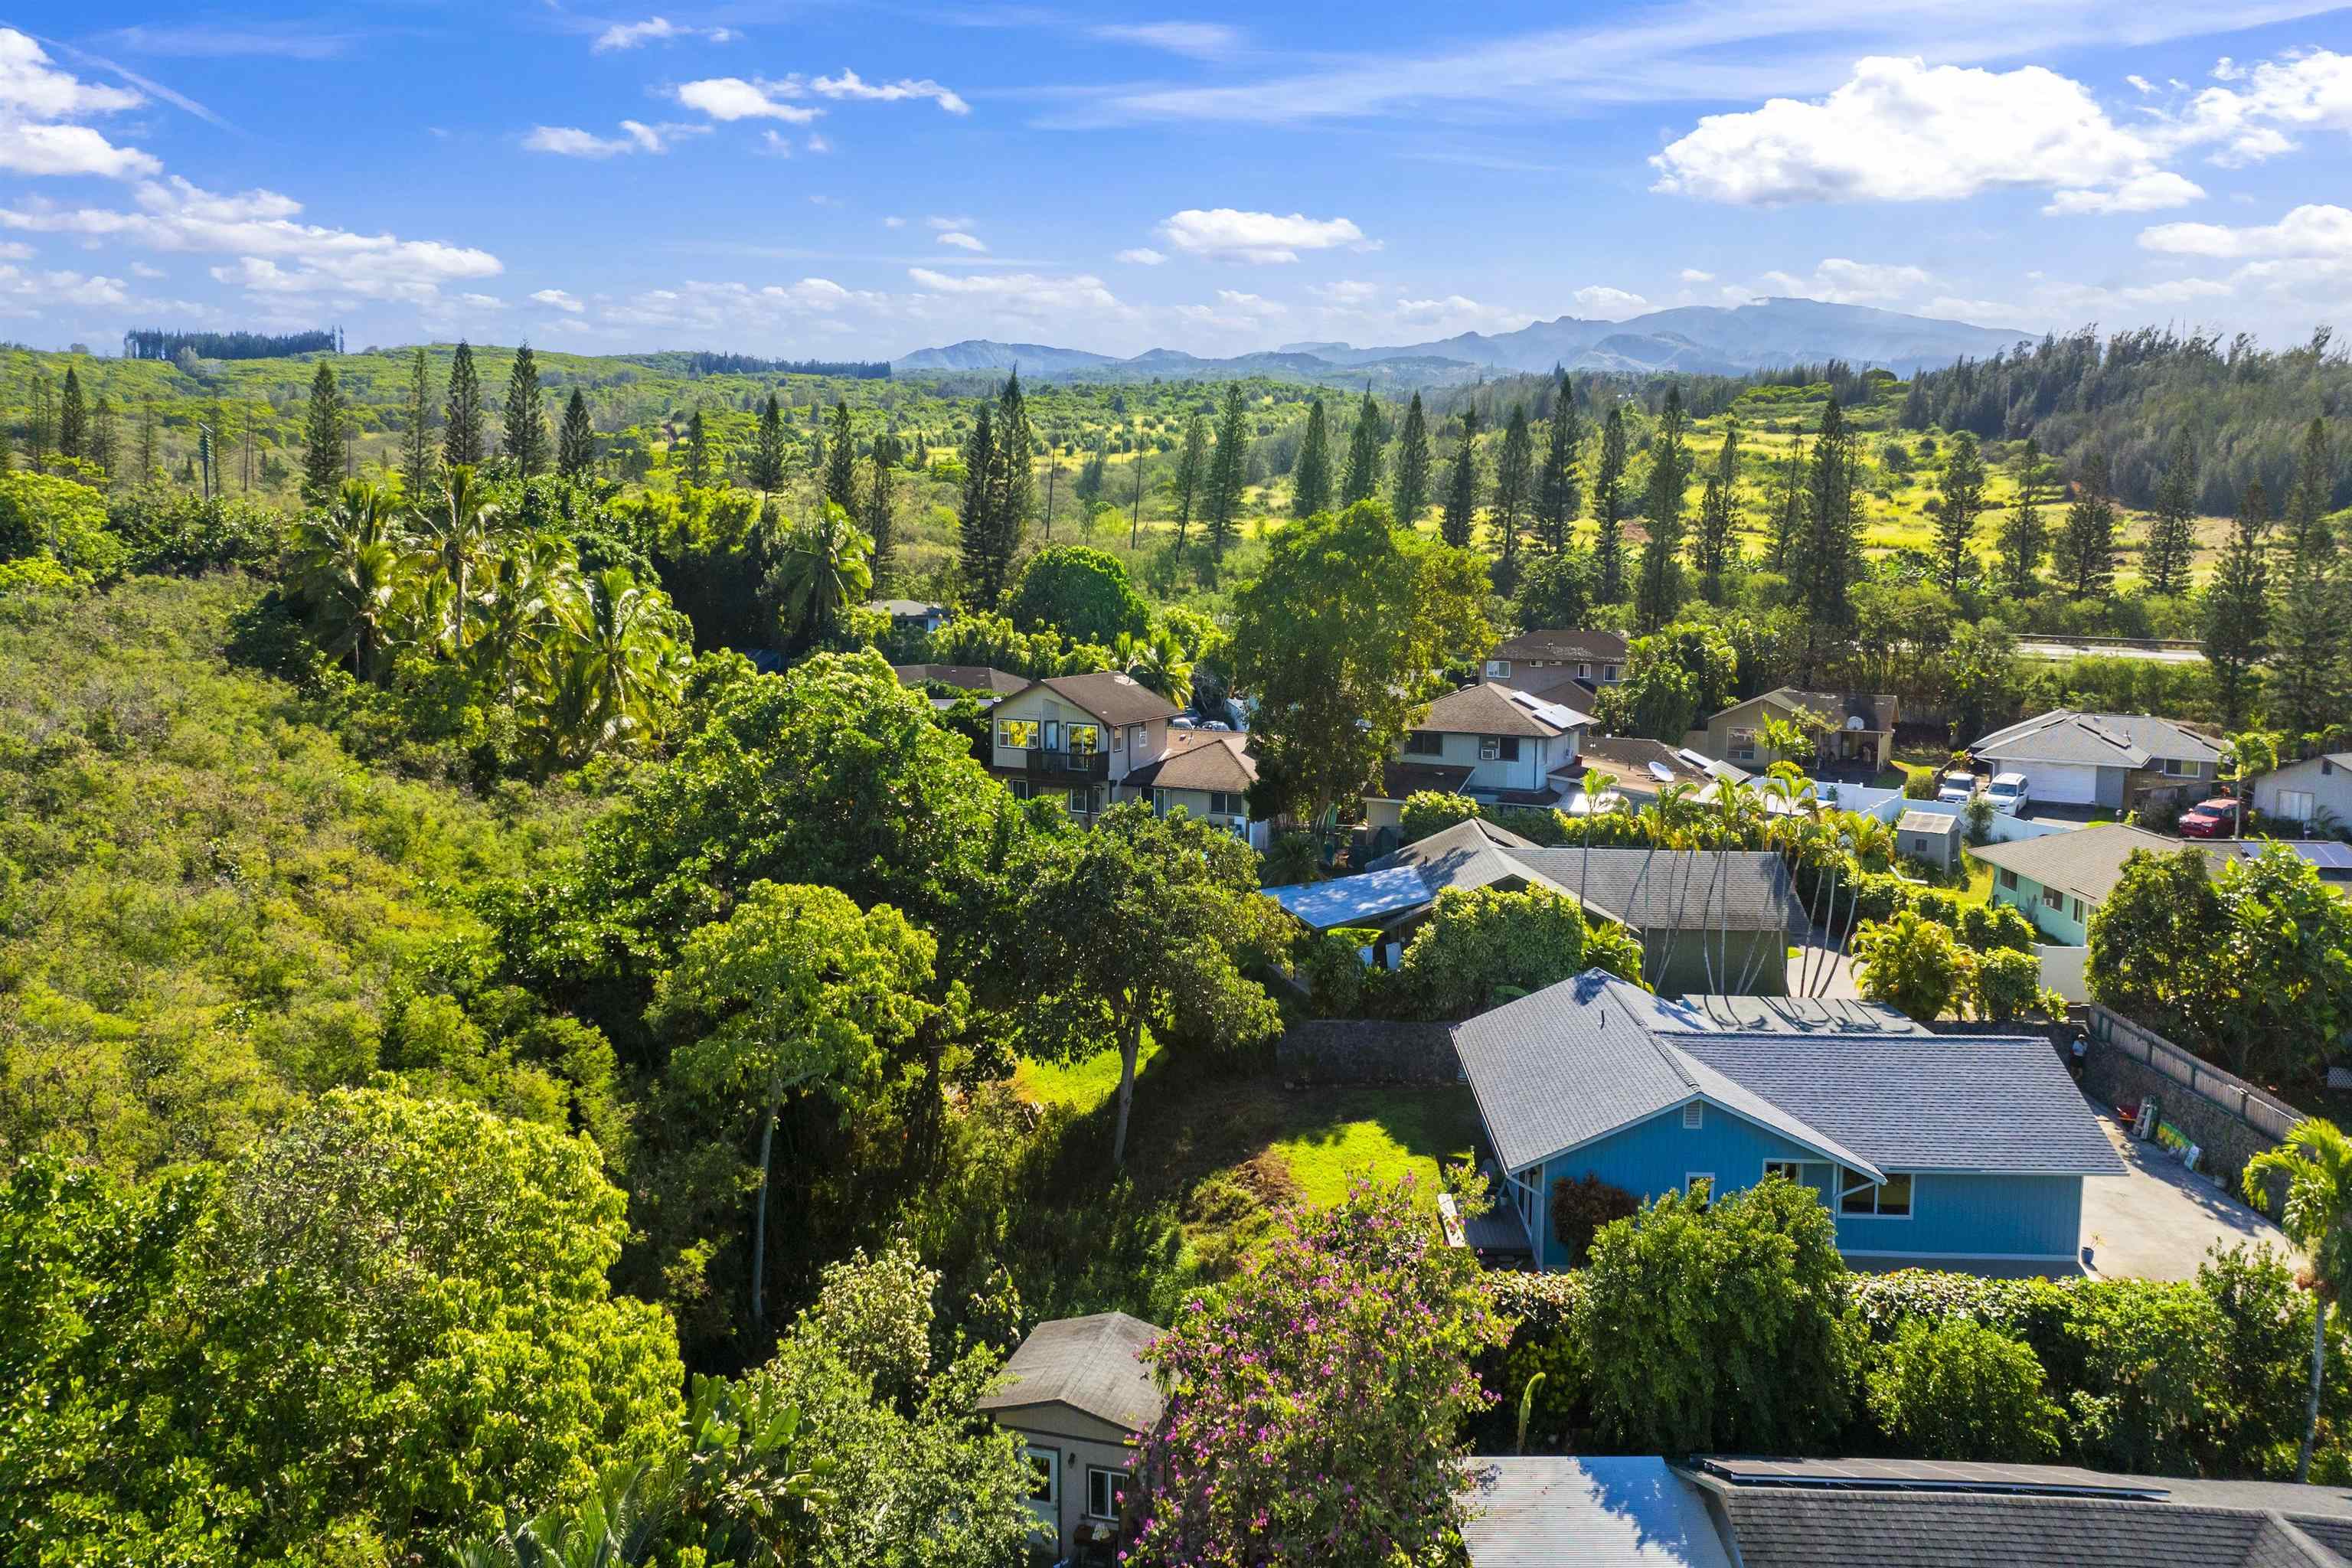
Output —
(2008, 792)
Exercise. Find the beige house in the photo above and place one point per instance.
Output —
(1490, 742)
(1545, 662)
(1078, 1396)
(1207, 773)
(1861, 729)
(1076, 738)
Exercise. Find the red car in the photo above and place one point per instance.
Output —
(2215, 818)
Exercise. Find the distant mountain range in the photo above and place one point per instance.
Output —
(1718, 340)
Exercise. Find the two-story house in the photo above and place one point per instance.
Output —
(1207, 773)
(1493, 742)
(1077, 738)
(1546, 664)
(1859, 734)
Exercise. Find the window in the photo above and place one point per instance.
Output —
(1699, 1184)
(2078, 912)
(1104, 1489)
(1693, 1114)
(1743, 745)
(1222, 804)
(2008, 879)
(1119, 739)
(1019, 734)
(1889, 1200)
(1021, 789)
(1818, 1175)
(2296, 804)
(1078, 802)
(2051, 899)
(1608, 672)
(1159, 802)
(2177, 768)
(1784, 1169)
(1052, 739)
(1135, 737)
(1424, 743)
(1045, 1476)
(1086, 737)
(1498, 748)
(1583, 672)
(1499, 669)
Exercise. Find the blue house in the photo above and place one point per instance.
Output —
(1957, 1152)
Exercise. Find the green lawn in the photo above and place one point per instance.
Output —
(1081, 1085)
(1387, 1131)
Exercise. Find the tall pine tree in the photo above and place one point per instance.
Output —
(2024, 536)
(1228, 475)
(1412, 465)
(984, 566)
(1459, 521)
(2172, 532)
(1609, 510)
(101, 436)
(526, 422)
(767, 450)
(417, 452)
(462, 442)
(2311, 639)
(1787, 504)
(1515, 484)
(698, 449)
(1660, 593)
(323, 439)
(1310, 476)
(2085, 555)
(73, 418)
(1960, 501)
(1013, 475)
(880, 526)
(1362, 480)
(841, 461)
(1717, 541)
(1191, 475)
(1558, 495)
(575, 442)
(2238, 607)
(1823, 559)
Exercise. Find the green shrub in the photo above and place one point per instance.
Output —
(1427, 812)
(1958, 1390)
(2006, 985)
(1988, 926)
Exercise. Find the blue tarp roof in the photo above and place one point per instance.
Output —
(1366, 899)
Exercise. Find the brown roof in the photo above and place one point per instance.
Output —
(967, 677)
(1199, 759)
(1875, 709)
(1563, 686)
(1488, 709)
(1113, 697)
(1400, 780)
(1628, 758)
(1607, 647)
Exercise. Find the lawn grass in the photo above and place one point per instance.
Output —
(1386, 1131)
(1083, 1085)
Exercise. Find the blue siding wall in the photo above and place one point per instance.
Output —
(2039, 1217)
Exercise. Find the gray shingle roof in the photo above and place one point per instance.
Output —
(1937, 822)
(2109, 740)
(970, 677)
(2088, 861)
(1199, 759)
(1491, 708)
(1739, 889)
(1876, 709)
(1584, 1058)
(1598, 646)
(1087, 1364)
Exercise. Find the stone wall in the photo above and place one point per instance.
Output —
(2113, 1077)
(1367, 1050)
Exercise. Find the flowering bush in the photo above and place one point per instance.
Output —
(1314, 1407)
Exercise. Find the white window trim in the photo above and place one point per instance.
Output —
(1052, 1458)
(1864, 1184)
(1118, 1485)
(1692, 1178)
(1490, 748)
(1499, 669)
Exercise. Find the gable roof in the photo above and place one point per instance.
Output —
(1491, 708)
(2105, 740)
(1635, 762)
(1113, 697)
(1580, 1059)
(1641, 889)
(1876, 709)
(1937, 822)
(967, 677)
(1597, 647)
(1402, 781)
(2088, 861)
(1199, 759)
(1087, 1364)
(1370, 899)
(907, 609)
(2339, 761)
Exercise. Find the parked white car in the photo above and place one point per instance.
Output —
(2008, 792)
(1954, 787)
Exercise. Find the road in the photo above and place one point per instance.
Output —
(2045, 647)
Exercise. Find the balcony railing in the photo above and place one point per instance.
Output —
(1069, 767)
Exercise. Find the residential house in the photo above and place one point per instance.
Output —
(917, 615)
(2102, 759)
(991, 686)
(1708, 920)
(1933, 836)
(1544, 663)
(1519, 751)
(1635, 770)
(1078, 737)
(1861, 733)
(1935, 1150)
(1079, 1395)
(2315, 794)
(1207, 773)
(2057, 880)
(1550, 1510)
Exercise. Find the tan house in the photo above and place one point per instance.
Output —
(1078, 1397)
(1490, 742)
(1207, 773)
(1861, 729)
(1076, 738)
(1544, 662)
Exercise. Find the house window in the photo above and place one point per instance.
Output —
(2008, 879)
(2078, 912)
(1159, 802)
(2051, 899)
(1499, 669)
(1424, 743)
(1222, 804)
(1117, 740)
(1820, 1176)
(1018, 734)
(1021, 789)
(1078, 802)
(1608, 673)
(1784, 1169)
(1693, 1114)
(1583, 672)
(2175, 767)
(1086, 737)
(1045, 1476)
(2296, 804)
(1743, 745)
(1890, 1199)
(1135, 737)
(1498, 748)
(1103, 1490)
(1699, 1184)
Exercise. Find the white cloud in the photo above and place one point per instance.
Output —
(276, 254)
(1455, 313)
(24, 293)
(1200, 40)
(2141, 85)
(630, 35)
(958, 221)
(818, 143)
(2140, 194)
(1608, 304)
(2309, 90)
(1028, 295)
(1347, 293)
(1224, 234)
(894, 223)
(775, 143)
(1847, 282)
(1141, 255)
(137, 269)
(848, 84)
(732, 307)
(35, 98)
(571, 142)
(1255, 304)
(1901, 130)
(731, 97)
(560, 300)
(962, 241)
(1693, 275)
(2308, 231)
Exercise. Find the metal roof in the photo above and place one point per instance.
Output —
(2327, 854)
(1936, 822)
(1087, 1364)
(1619, 1511)
(1366, 899)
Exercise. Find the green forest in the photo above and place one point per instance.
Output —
(511, 1015)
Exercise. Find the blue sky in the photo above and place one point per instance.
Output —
(860, 180)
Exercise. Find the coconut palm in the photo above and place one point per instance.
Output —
(821, 571)
(455, 531)
(622, 667)
(351, 565)
(2316, 1162)
(1156, 662)
(532, 593)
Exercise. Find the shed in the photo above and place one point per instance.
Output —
(1930, 836)
(1078, 1394)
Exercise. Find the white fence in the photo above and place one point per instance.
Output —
(2003, 827)
(2061, 971)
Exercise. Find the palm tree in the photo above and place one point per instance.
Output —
(533, 594)
(1155, 662)
(351, 565)
(624, 665)
(2316, 1162)
(821, 572)
(453, 531)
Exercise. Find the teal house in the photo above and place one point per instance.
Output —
(2057, 880)
(1935, 1150)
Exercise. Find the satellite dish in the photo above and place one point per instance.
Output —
(1663, 773)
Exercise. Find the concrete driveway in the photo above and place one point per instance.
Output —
(2158, 1221)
